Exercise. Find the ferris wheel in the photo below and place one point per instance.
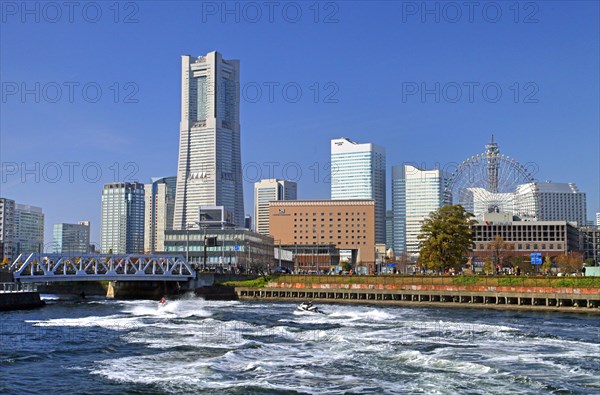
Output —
(487, 182)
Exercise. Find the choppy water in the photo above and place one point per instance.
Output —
(195, 346)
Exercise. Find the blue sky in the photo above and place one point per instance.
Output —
(357, 65)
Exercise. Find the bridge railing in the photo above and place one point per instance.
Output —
(129, 267)
(17, 287)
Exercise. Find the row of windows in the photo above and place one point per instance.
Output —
(358, 242)
(339, 213)
(330, 219)
(529, 246)
(330, 225)
(330, 231)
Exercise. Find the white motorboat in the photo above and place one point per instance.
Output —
(308, 306)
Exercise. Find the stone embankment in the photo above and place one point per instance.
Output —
(15, 296)
(502, 297)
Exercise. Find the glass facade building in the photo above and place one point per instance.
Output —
(122, 228)
(209, 169)
(358, 172)
(389, 229)
(72, 238)
(550, 201)
(415, 194)
(29, 230)
(233, 248)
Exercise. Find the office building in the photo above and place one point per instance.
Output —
(550, 238)
(597, 219)
(550, 201)
(590, 243)
(266, 191)
(416, 193)
(318, 230)
(358, 172)
(389, 229)
(29, 230)
(7, 229)
(248, 222)
(239, 250)
(72, 238)
(159, 208)
(209, 171)
(122, 228)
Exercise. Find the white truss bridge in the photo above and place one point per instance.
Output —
(41, 268)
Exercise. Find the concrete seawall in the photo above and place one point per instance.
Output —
(529, 298)
(19, 300)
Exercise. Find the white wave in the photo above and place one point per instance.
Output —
(414, 357)
(49, 297)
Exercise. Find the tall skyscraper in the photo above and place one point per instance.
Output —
(72, 238)
(266, 191)
(159, 209)
(122, 229)
(416, 193)
(7, 229)
(358, 172)
(209, 171)
(550, 201)
(29, 230)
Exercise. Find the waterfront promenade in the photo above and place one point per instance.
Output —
(501, 292)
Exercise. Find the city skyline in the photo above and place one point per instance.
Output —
(336, 100)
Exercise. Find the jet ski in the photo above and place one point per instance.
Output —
(308, 306)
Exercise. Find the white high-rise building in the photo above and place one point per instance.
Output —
(266, 191)
(72, 238)
(358, 172)
(159, 208)
(597, 219)
(209, 169)
(550, 201)
(122, 228)
(416, 193)
(7, 229)
(29, 230)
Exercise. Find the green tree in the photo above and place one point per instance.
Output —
(488, 266)
(445, 238)
(547, 265)
(590, 262)
(346, 266)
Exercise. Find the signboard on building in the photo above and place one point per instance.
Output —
(536, 258)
